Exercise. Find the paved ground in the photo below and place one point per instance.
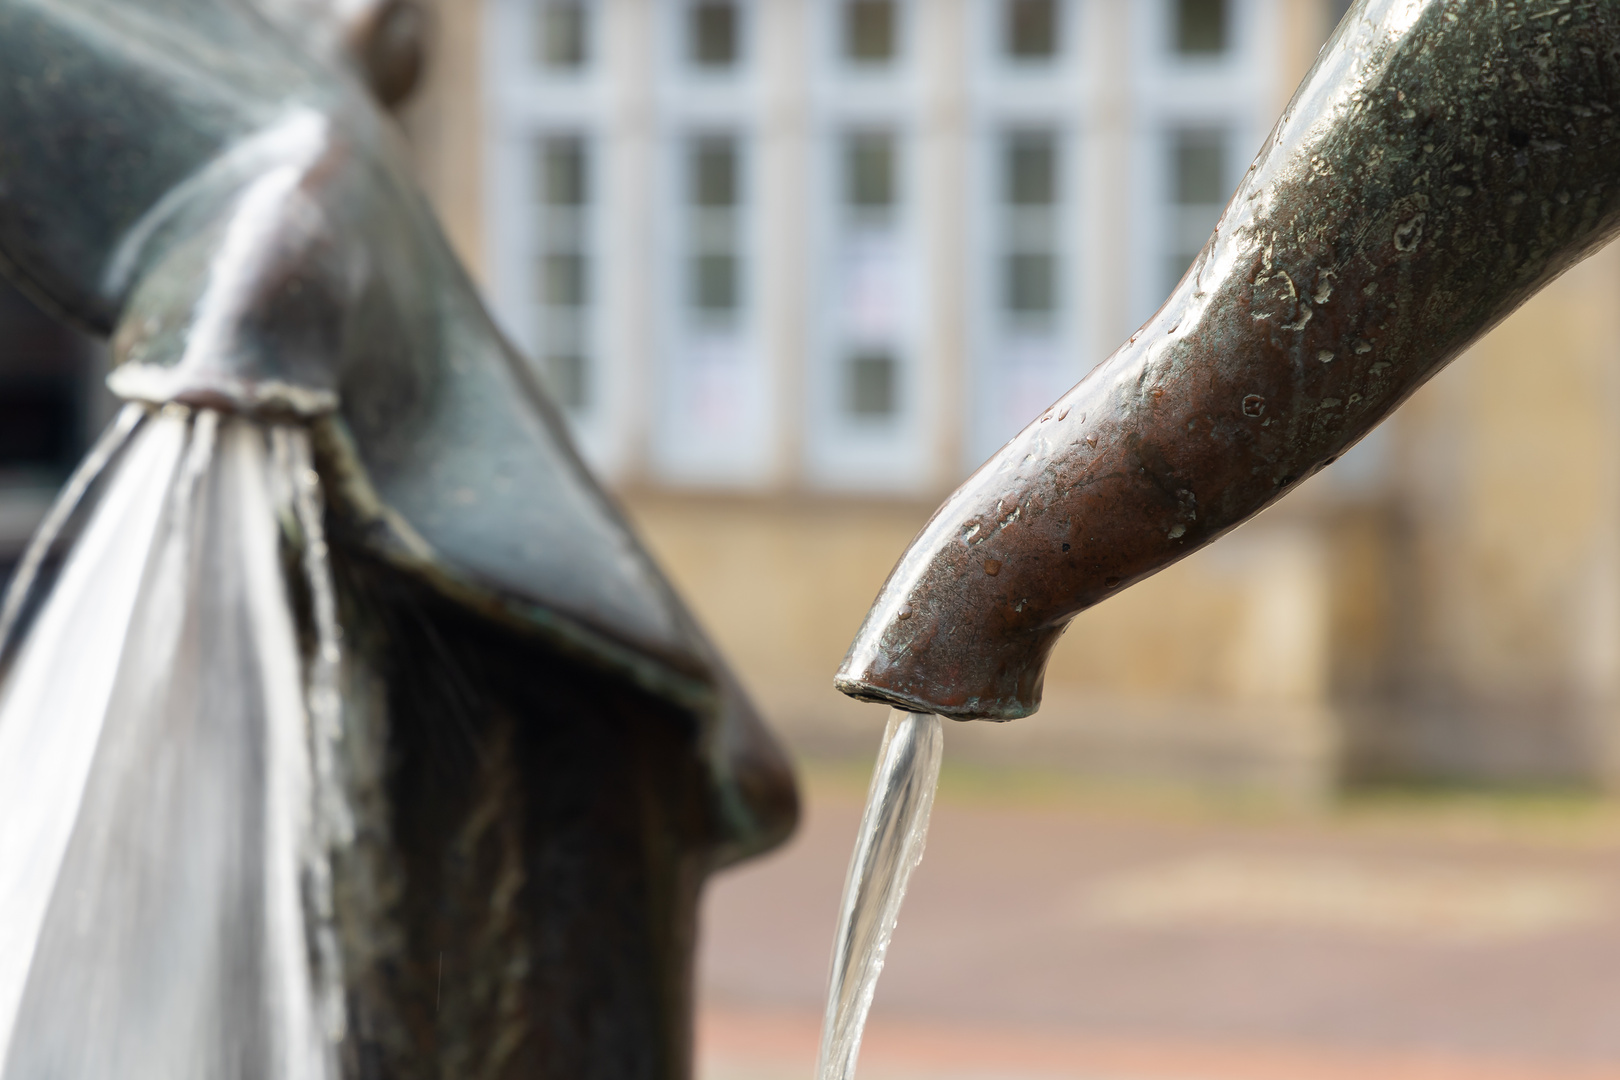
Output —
(1076, 938)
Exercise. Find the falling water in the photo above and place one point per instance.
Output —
(62, 510)
(888, 848)
(164, 904)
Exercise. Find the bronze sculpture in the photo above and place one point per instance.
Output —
(518, 756)
(1441, 162)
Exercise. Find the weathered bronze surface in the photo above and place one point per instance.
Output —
(1442, 162)
(564, 757)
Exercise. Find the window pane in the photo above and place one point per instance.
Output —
(869, 30)
(714, 283)
(562, 34)
(1200, 27)
(1031, 170)
(1031, 29)
(563, 179)
(714, 34)
(562, 281)
(1031, 283)
(1199, 167)
(869, 171)
(872, 389)
(568, 377)
(563, 266)
(1199, 188)
(714, 174)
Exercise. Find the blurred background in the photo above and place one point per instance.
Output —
(1329, 798)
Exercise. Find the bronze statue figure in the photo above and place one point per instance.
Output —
(471, 840)
(1442, 162)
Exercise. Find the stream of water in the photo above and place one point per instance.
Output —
(888, 848)
(163, 885)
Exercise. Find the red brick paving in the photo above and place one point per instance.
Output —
(1000, 967)
(735, 1044)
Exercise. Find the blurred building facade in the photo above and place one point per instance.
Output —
(794, 267)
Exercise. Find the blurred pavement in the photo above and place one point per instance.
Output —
(1064, 934)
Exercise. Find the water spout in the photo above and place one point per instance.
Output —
(1404, 204)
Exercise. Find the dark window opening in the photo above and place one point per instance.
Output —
(870, 171)
(1201, 27)
(1031, 283)
(563, 35)
(568, 375)
(870, 31)
(1200, 167)
(715, 34)
(1199, 189)
(1031, 29)
(714, 174)
(563, 285)
(714, 283)
(1032, 178)
(872, 390)
(563, 280)
(564, 174)
(714, 192)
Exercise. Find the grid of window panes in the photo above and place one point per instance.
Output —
(883, 243)
(714, 206)
(563, 277)
(1030, 260)
(871, 241)
(1198, 192)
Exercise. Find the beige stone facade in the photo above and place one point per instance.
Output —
(1444, 602)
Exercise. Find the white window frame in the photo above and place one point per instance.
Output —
(685, 449)
(525, 103)
(844, 452)
(1007, 96)
(1234, 92)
